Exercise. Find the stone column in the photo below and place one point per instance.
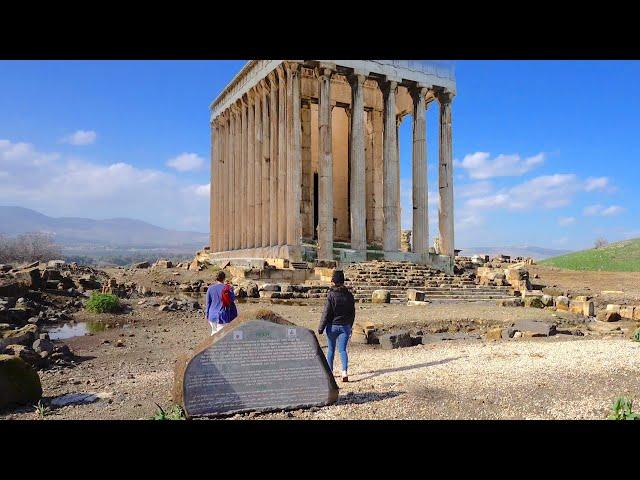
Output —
(282, 157)
(213, 190)
(257, 170)
(233, 186)
(264, 240)
(239, 194)
(244, 174)
(391, 182)
(325, 168)
(249, 228)
(294, 169)
(357, 171)
(378, 176)
(307, 173)
(225, 190)
(445, 175)
(274, 214)
(419, 174)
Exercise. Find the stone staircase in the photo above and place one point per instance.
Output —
(398, 277)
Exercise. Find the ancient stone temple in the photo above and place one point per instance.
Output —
(305, 153)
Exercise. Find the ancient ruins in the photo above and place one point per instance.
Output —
(305, 154)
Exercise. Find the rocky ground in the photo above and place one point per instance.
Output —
(126, 361)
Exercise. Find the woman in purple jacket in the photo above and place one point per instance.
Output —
(216, 314)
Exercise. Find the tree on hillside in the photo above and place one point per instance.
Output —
(600, 242)
(28, 247)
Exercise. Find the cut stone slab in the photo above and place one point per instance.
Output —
(535, 328)
(582, 307)
(258, 362)
(78, 399)
(494, 333)
(446, 336)
(415, 303)
(400, 339)
(613, 308)
(547, 300)
(554, 291)
(533, 302)
(510, 302)
(19, 382)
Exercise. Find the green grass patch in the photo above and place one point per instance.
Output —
(176, 413)
(617, 257)
(103, 303)
(622, 409)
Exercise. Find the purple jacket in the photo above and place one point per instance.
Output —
(215, 311)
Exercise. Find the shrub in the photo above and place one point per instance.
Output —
(103, 303)
(29, 247)
(636, 335)
(623, 410)
(176, 413)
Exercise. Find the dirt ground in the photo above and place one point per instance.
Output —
(560, 377)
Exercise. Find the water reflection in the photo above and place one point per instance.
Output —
(76, 329)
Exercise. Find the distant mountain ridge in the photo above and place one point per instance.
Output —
(114, 231)
(537, 253)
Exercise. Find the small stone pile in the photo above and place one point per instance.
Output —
(172, 304)
(287, 291)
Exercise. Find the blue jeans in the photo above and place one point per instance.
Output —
(339, 334)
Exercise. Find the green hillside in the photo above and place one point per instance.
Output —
(617, 257)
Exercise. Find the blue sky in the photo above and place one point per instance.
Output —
(547, 152)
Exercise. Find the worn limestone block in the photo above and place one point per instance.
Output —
(510, 302)
(562, 303)
(19, 382)
(582, 298)
(258, 362)
(533, 302)
(415, 295)
(415, 303)
(399, 339)
(381, 296)
(636, 312)
(535, 328)
(613, 308)
(494, 333)
(626, 311)
(608, 316)
(581, 307)
(270, 287)
(547, 300)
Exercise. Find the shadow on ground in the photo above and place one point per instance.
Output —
(353, 398)
(376, 373)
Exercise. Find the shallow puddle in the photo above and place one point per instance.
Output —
(78, 329)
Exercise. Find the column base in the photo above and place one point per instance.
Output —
(353, 256)
(290, 252)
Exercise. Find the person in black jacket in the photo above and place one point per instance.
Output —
(337, 321)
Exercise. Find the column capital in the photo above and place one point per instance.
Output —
(293, 67)
(324, 72)
(418, 92)
(387, 86)
(356, 78)
(444, 96)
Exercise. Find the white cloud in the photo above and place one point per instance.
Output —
(58, 186)
(599, 183)
(480, 166)
(548, 191)
(565, 221)
(186, 162)
(81, 137)
(600, 211)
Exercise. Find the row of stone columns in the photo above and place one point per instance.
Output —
(256, 174)
(257, 167)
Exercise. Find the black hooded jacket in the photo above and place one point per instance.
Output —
(340, 308)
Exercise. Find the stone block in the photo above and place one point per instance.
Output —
(510, 302)
(381, 296)
(626, 312)
(562, 303)
(636, 312)
(533, 302)
(21, 336)
(494, 333)
(400, 339)
(613, 308)
(608, 316)
(415, 295)
(535, 328)
(554, 291)
(547, 300)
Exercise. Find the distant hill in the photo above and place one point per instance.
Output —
(616, 257)
(537, 253)
(121, 232)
